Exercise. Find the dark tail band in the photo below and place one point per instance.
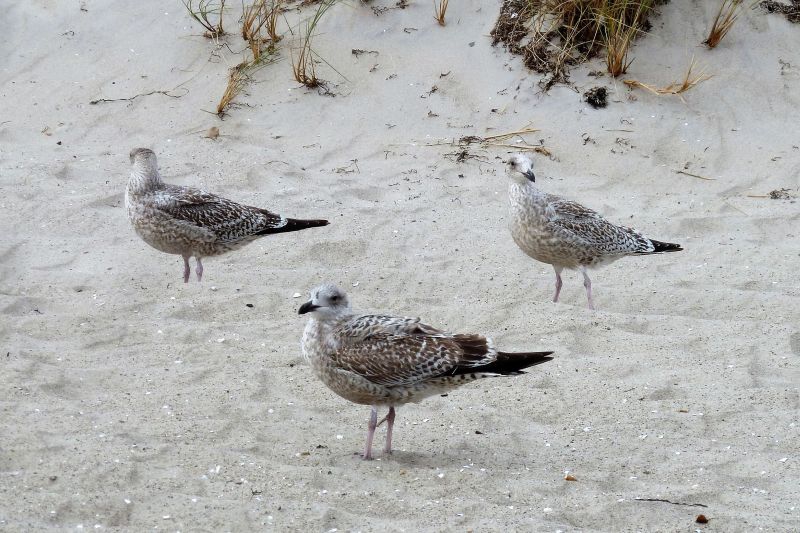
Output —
(665, 247)
(294, 224)
(509, 364)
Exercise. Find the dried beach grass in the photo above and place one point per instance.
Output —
(729, 11)
(439, 10)
(272, 20)
(677, 88)
(303, 67)
(517, 142)
(237, 79)
(623, 21)
(204, 12)
(260, 16)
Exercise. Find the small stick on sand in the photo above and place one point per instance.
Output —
(693, 175)
(509, 134)
(525, 147)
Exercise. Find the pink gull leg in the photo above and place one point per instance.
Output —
(559, 283)
(389, 418)
(186, 269)
(373, 423)
(588, 284)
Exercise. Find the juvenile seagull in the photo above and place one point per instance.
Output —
(388, 360)
(566, 234)
(190, 222)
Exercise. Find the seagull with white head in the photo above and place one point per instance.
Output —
(566, 234)
(385, 360)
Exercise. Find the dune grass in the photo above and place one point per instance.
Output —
(623, 22)
(259, 25)
(240, 75)
(205, 12)
(303, 66)
(237, 79)
(728, 13)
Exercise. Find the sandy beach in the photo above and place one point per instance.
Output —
(132, 401)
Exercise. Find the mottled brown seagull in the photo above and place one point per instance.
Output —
(383, 360)
(566, 234)
(190, 222)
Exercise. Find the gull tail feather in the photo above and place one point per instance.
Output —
(294, 224)
(661, 247)
(510, 364)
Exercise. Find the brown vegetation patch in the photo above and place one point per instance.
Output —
(562, 33)
(511, 26)
(792, 10)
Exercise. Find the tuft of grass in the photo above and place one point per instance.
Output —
(303, 68)
(204, 12)
(272, 20)
(238, 78)
(729, 11)
(676, 87)
(568, 32)
(623, 20)
(439, 10)
(260, 16)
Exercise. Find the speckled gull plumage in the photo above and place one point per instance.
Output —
(193, 223)
(384, 360)
(566, 234)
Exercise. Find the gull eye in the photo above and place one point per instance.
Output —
(335, 298)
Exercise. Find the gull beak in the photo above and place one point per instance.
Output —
(307, 308)
(529, 174)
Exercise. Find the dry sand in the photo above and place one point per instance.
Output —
(131, 401)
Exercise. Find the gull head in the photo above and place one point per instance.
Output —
(144, 161)
(327, 301)
(520, 168)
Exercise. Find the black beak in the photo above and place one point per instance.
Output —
(529, 174)
(307, 308)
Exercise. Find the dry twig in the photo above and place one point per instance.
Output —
(693, 175)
